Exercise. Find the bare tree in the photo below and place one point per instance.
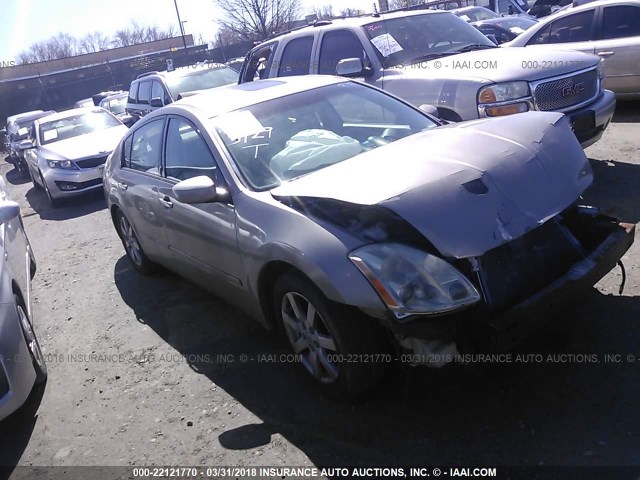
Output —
(351, 12)
(258, 19)
(325, 11)
(395, 4)
(94, 42)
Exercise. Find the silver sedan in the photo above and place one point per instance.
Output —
(69, 150)
(22, 363)
(359, 224)
(608, 28)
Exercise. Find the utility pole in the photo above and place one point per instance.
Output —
(184, 42)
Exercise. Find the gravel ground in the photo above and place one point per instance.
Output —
(140, 371)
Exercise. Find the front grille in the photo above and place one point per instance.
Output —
(567, 92)
(524, 266)
(92, 162)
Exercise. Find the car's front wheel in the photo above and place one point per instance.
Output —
(33, 345)
(344, 351)
(53, 201)
(132, 245)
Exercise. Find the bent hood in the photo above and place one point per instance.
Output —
(468, 187)
(87, 145)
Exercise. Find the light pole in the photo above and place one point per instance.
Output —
(184, 42)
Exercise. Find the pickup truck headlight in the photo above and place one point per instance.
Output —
(503, 92)
(411, 282)
(63, 164)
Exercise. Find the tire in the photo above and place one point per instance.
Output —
(318, 329)
(53, 201)
(37, 358)
(22, 168)
(132, 246)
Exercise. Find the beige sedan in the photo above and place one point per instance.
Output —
(608, 28)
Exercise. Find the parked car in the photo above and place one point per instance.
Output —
(544, 8)
(474, 14)
(69, 150)
(608, 28)
(504, 29)
(20, 140)
(235, 63)
(84, 103)
(116, 104)
(499, 7)
(153, 90)
(22, 364)
(350, 217)
(6, 129)
(436, 58)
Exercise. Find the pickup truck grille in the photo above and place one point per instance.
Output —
(92, 162)
(566, 92)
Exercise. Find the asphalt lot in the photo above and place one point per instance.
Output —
(130, 382)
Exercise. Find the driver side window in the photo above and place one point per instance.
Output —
(187, 154)
(338, 45)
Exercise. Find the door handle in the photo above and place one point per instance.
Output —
(606, 54)
(122, 186)
(166, 202)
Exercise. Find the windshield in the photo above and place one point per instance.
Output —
(413, 38)
(116, 105)
(288, 137)
(201, 79)
(76, 125)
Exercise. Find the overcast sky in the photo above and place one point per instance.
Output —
(28, 21)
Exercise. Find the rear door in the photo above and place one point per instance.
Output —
(619, 45)
(138, 183)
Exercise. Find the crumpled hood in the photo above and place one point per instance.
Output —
(502, 64)
(468, 187)
(89, 144)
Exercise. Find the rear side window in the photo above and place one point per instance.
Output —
(296, 57)
(338, 45)
(144, 92)
(572, 28)
(622, 21)
(133, 93)
(142, 149)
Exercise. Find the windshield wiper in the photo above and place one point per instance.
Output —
(429, 56)
(471, 47)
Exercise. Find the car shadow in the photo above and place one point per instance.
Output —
(68, 208)
(15, 178)
(623, 201)
(16, 431)
(627, 111)
(530, 412)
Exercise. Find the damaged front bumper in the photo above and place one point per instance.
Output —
(520, 321)
(491, 328)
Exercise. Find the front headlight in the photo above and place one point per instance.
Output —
(412, 282)
(503, 92)
(64, 164)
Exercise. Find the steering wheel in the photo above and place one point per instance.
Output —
(374, 142)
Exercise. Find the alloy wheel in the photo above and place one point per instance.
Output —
(309, 337)
(30, 338)
(130, 241)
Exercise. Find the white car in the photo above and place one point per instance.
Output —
(22, 363)
(69, 149)
(608, 28)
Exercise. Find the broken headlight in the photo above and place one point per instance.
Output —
(412, 282)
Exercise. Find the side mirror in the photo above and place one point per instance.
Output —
(352, 67)
(128, 120)
(156, 102)
(195, 190)
(493, 38)
(3, 131)
(8, 210)
(430, 109)
(25, 144)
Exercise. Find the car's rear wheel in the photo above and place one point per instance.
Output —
(339, 348)
(132, 245)
(33, 345)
